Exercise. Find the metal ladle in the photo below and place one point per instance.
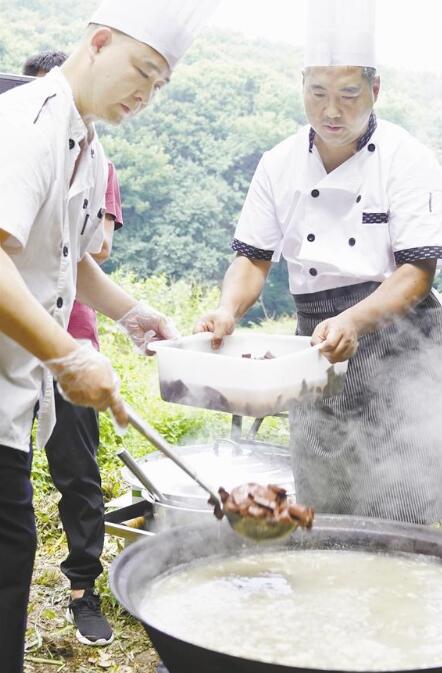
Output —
(248, 527)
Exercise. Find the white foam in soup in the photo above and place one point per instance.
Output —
(324, 609)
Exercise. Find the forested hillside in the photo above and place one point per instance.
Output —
(186, 163)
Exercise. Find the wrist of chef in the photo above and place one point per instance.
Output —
(84, 358)
(124, 308)
(57, 364)
(225, 321)
(221, 322)
(75, 371)
(85, 377)
(229, 312)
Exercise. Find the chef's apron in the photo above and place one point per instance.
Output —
(362, 451)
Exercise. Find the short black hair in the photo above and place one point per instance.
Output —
(43, 62)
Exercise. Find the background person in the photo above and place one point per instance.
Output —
(55, 179)
(353, 204)
(38, 65)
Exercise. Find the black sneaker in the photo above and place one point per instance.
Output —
(92, 627)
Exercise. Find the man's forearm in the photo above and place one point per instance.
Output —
(96, 289)
(403, 290)
(243, 284)
(24, 320)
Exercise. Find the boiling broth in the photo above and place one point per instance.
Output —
(326, 609)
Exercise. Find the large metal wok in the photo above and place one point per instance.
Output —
(141, 563)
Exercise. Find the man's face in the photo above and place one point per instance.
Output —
(126, 74)
(338, 102)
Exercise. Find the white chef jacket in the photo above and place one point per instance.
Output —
(380, 209)
(51, 226)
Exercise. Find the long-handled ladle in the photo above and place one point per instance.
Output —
(249, 527)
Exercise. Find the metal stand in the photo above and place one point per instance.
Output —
(236, 428)
(118, 522)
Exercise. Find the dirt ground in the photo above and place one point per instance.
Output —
(51, 645)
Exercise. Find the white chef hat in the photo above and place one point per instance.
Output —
(169, 26)
(340, 32)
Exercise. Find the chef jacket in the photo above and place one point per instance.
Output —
(51, 225)
(379, 209)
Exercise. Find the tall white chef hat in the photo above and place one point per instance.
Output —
(341, 32)
(169, 26)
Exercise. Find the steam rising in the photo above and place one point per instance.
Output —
(380, 453)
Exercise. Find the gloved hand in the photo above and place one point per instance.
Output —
(85, 377)
(143, 324)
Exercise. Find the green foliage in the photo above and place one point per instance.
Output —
(185, 165)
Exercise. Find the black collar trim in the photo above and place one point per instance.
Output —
(362, 141)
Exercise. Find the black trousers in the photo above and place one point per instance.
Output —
(17, 551)
(71, 451)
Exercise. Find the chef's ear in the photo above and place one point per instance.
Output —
(101, 37)
(376, 87)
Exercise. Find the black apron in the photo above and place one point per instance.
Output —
(372, 450)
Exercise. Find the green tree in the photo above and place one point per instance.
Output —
(186, 164)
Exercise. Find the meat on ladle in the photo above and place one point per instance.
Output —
(263, 512)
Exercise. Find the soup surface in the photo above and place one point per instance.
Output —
(325, 609)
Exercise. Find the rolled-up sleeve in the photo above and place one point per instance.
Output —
(25, 174)
(258, 232)
(415, 196)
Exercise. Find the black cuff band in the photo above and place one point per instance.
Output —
(251, 252)
(418, 254)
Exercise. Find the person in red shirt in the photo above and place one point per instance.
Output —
(73, 445)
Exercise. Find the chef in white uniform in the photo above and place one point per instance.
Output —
(354, 204)
(52, 180)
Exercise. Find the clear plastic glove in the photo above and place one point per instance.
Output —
(143, 325)
(86, 378)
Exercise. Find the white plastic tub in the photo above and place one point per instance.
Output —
(191, 373)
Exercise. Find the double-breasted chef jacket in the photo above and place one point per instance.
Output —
(51, 224)
(379, 209)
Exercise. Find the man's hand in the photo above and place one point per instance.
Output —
(85, 377)
(338, 338)
(143, 325)
(220, 322)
